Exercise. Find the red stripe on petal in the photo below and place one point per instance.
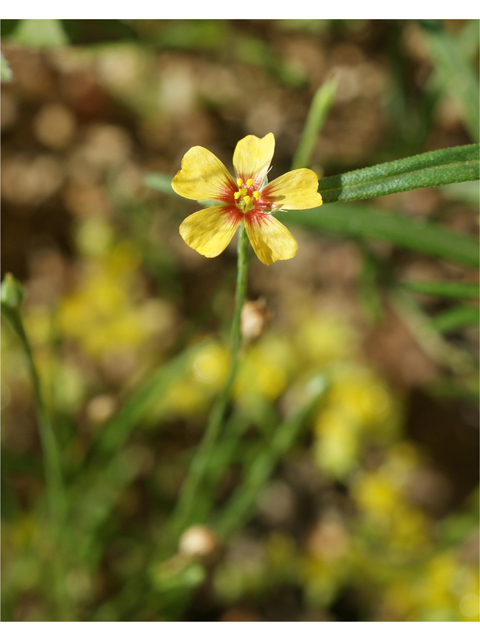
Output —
(233, 214)
(257, 218)
(227, 193)
(266, 201)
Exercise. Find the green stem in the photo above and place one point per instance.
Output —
(53, 471)
(52, 459)
(186, 503)
(241, 504)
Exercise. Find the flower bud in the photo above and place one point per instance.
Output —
(11, 292)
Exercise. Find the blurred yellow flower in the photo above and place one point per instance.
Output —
(376, 495)
(210, 365)
(470, 605)
(101, 314)
(359, 409)
(264, 370)
(381, 498)
(362, 396)
(249, 198)
(325, 339)
(337, 446)
(445, 582)
(192, 394)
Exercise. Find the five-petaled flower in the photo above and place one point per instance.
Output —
(250, 198)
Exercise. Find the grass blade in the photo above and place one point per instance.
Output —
(430, 340)
(319, 110)
(444, 289)
(365, 222)
(116, 431)
(457, 318)
(240, 506)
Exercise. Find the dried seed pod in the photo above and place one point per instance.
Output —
(256, 317)
(199, 541)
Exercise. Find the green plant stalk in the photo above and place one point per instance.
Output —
(199, 465)
(53, 470)
(116, 431)
(241, 504)
(52, 466)
(227, 450)
(319, 109)
(222, 456)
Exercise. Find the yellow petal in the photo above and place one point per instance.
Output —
(203, 177)
(270, 239)
(294, 190)
(252, 158)
(210, 230)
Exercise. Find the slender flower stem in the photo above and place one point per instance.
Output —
(186, 502)
(240, 295)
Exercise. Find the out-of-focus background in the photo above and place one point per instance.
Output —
(371, 513)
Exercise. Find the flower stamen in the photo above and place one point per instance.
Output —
(246, 197)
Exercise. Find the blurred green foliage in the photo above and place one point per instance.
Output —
(331, 494)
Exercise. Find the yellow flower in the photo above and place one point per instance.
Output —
(250, 198)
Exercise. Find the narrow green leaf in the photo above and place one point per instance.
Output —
(319, 110)
(117, 430)
(457, 164)
(460, 362)
(444, 289)
(364, 222)
(369, 285)
(457, 318)
(241, 504)
(458, 78)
